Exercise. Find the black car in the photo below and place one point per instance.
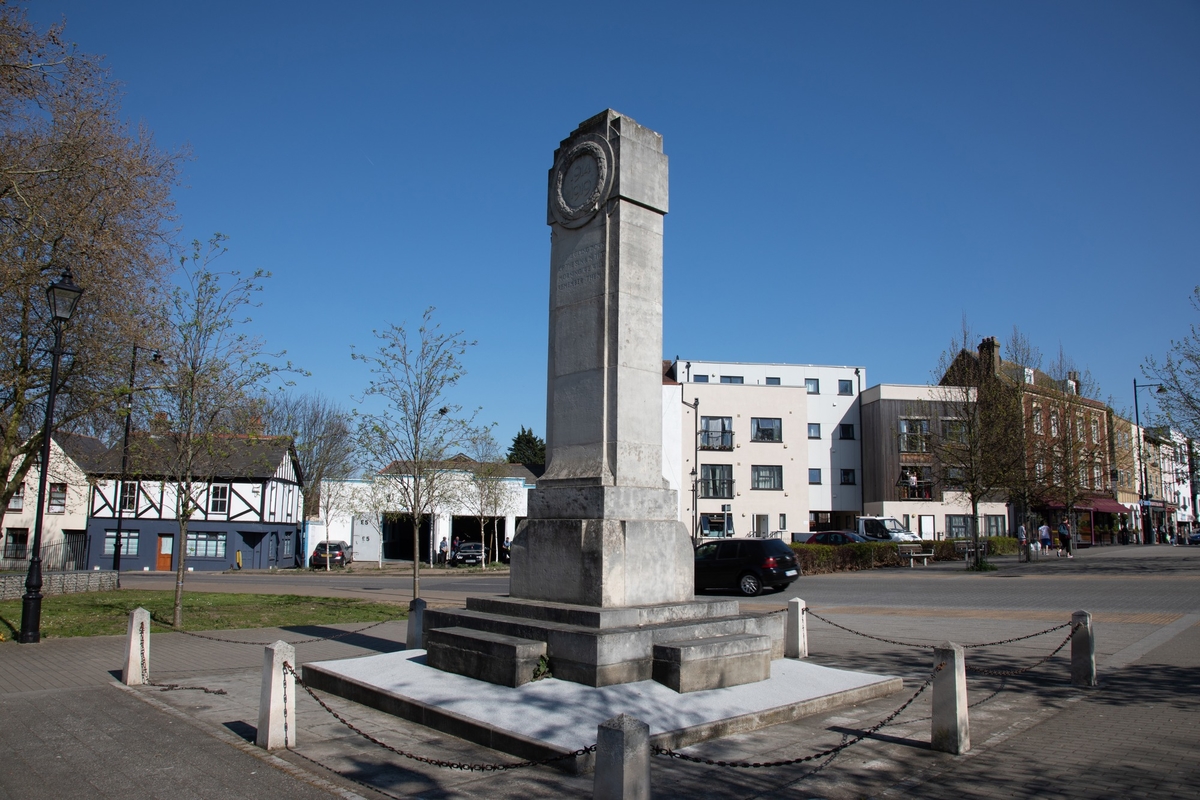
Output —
(335, 554)
(468, 553)
(745, 565)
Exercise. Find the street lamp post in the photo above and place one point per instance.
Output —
(1142, 496)
(695, 475)
(62, 296)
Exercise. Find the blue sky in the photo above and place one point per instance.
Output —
(847, 179)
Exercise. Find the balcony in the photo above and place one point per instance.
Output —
(715, 440)
(921, 490)
(716, 488)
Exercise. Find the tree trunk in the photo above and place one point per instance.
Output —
(417, 519)
(975, 532)
(180, 572)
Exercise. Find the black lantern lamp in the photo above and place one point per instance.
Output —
(62, 295)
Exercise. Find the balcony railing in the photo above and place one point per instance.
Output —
(922, 490)
(715, 440)
(716, 488)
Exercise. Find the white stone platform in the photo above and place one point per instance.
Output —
(551, 717)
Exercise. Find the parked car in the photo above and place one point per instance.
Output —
(337, 554)
(468, 553)
(746, 565)
(836, 537)
(1194, 538)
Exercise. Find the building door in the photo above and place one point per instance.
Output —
(761, 525)
(166, 545)
(926, 528)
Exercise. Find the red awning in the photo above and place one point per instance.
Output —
(1106, 505)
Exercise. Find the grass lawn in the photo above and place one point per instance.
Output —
(106, 613)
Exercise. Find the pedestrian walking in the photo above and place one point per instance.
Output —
(1022, 543)
(1064, 538)
(1044, 536)
(443, 549)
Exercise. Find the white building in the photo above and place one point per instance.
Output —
(369, 514)
(781, 443)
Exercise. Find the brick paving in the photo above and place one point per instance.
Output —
(1033, 736)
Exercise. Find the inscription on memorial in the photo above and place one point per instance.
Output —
(580, 181)
(581, 267)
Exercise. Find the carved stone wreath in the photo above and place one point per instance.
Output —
(574, 216)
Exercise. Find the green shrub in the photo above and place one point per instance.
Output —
(944, 551)
(820, 559)
(1002, 545)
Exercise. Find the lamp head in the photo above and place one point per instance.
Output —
(63, 295)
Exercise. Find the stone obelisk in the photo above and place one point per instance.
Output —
(602, 529)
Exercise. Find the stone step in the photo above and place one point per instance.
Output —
(595, 617)
(713, 662)
(483, 655)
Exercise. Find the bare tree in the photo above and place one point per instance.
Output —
(486, 492)
(337, 497)
(413, 425)
(210, 368)
(1071, 448)
(325, 440)
(1179, 374)
(80, 189)
(978, 443)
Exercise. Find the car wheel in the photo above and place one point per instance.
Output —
(749, 585)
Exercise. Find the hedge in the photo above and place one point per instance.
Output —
(820, 559)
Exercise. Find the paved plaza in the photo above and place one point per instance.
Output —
(70, 731)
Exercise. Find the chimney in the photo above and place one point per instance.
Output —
(160, 425)
(989, 354)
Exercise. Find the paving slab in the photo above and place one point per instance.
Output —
(562, 716)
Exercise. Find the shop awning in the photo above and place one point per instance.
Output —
(1107, 505)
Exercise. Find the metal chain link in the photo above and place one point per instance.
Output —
(1008, 673)
(663, 751)
(342, 635)
(286, 741)
(926, 646)
(434, 762)
(166, 687)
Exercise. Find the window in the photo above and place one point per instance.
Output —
(845, 431)
(1029, 375)
(914, 436)
(783, 522)
(954, 478)
(1095, 431)
(218, 499)
(1097, 476)
(995, 525)
(814, 430)
(57, 502)
(1054, 423)
(954, 431)
(1037, 419)
(699, 379)
(845, 387)
(956, 526)
(732, 379)
(1079, 427)
(716, 480)
(766, 429)
(206, 545)
(129, 490)
(915, 483)
(1039, 469)
(847, 477)
(716, 433)
(17, 501)
(129, 542)
(766, 477)
(715, 525)
(772, 381)
(814, 475)
(15, 542)
(812, 385)
(287, 545)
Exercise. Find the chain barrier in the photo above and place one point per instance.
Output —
(831, 751)
(1008, 673)
(434, 762)
(335, 636)
(927, 646)
(165, 687)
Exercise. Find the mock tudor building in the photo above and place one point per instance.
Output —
(249, 515)
(775, 447)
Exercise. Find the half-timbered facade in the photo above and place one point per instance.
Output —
(248, 511)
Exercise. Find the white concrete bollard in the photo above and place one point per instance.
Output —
(951, 729)
(1083, 650)
(622, 760)
(137, 649)
(795, 635)
(277, 699)
(414, 639)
